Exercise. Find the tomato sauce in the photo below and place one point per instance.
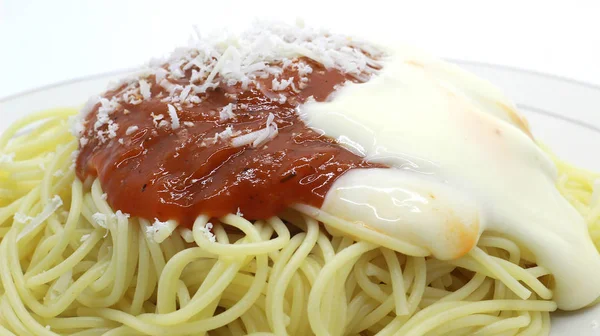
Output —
(165, 173)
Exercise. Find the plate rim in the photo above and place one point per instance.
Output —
(546, 75)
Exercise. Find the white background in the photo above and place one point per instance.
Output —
(43, 42)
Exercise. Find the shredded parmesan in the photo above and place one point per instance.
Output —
(100, 219)
(89, 106)
(74, 156)
(262, 51)
(106, 108)
(282, 99)
(184, 93)
(206, 231)
(260, 137)
(104, 196)
(156, 118)
(112, 130)
(160, 74)
(121, 215)
(226, 112)
(36, 221)
(174, 117)
(281, 85)
(159, 231)
(304, 69)
(225, 135)
(131, 129)
(145, 89)
(76, 123)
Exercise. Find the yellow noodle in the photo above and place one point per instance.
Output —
(67, 274)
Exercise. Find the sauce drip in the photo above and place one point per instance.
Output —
(164, 173)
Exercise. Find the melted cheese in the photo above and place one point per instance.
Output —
(465, 163)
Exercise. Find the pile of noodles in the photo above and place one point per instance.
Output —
(71, 265)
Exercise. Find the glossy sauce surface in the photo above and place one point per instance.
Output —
(164, 173)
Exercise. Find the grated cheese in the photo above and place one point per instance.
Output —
(76, 127)
(131, 129)
(106, 108)
(260, 137)
(263, 50)
(89, 106)
(76, 123)
(101, 220)
(121, 215)
(281, 85)
(112, 130)
(206, 231)
(282, 99)
(159, 231)
(303, 69)
(184, 93)
(160, 74)
(294, 88)
(145, 89)
(74, 156)
(51, 207)
(226, 112)
(175, 69)
(174, 117)
(156, 118)
(225, 135)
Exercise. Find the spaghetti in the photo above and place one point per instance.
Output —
(64, 273)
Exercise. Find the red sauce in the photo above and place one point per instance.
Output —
(163, 173)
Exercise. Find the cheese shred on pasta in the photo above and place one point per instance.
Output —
(71, 265)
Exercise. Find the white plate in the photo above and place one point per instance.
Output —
(563, 113)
